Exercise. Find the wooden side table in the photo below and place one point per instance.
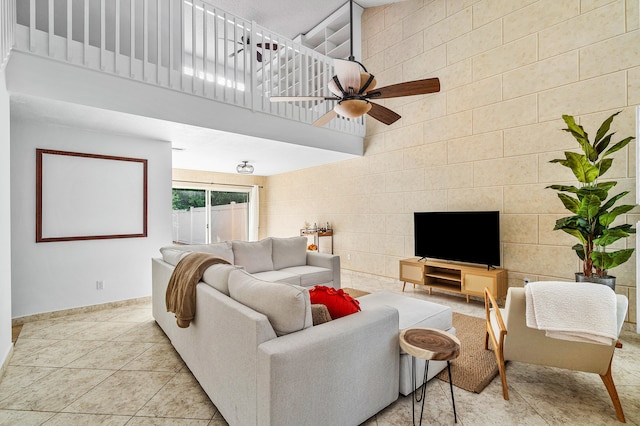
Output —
(429, 344)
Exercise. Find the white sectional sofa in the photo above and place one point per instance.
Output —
(254, 351)
(253, 348)
(272, 259)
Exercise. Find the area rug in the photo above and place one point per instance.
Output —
(354, 292)
(476, 367)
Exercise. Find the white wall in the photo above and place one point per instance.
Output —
(5, 225)
(61, 275)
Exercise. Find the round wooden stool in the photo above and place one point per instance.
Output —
(429, 344)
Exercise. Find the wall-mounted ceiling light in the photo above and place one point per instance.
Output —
(244, 168)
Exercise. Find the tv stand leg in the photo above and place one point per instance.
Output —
(467, 298)
(404, 284)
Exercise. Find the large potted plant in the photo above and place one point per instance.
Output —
(593, 211)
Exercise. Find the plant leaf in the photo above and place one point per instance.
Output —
(607, 218)
(581, 136)
(604, 128)
(570, 203)
(604, 165)
(612, 201)
(606, 185)
(579, 249)
(604, 143)
(610, 236)
(608, 260)
(581, 167)
(564, 188)
(618, 146)
(593, 190)
(589, 207)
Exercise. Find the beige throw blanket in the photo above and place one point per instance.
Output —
(181, 290)
(581, 312)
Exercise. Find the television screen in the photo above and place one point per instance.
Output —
(472, 237)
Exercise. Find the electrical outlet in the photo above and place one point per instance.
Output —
(348, 256)
(99, 285)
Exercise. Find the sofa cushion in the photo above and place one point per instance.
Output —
(311, 275)
(222, 249)
(287, 306)
(338, 302)
(217, 276)
(172, 255)
(289, 252)
(255, 256)
(412, 312)
(278, 276)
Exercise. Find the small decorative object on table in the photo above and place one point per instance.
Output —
(429, 344)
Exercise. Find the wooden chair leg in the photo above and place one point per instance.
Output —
(486, 340)
(607, 379)
(503, 372)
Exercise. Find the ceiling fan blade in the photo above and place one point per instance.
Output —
(409, 88)
(348, 73)
(301, 98)
(325, 119)
(383, 114)
(232, 54)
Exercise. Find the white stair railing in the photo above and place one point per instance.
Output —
(7, 23)
(187, 45)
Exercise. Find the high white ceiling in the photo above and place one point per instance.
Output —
(289, 17)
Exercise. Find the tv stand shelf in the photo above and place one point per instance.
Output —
(455, 278)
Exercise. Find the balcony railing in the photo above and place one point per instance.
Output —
(189, 46)
(7, 22)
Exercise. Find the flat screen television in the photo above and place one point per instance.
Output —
(472, 237)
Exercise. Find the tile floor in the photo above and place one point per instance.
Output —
(116, 367)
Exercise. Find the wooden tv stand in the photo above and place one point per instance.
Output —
(454, 278)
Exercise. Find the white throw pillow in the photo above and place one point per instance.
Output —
(288, 307)
(217, 276)
(255, 256)
(288, 252)
(173, 254)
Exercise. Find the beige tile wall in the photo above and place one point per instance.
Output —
(509, 70)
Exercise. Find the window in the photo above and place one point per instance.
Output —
(202, 216)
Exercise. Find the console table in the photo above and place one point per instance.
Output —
(455, 278)
(317, 235)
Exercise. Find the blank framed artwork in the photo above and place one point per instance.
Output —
(89, 196)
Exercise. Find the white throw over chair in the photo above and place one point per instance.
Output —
(512, 340)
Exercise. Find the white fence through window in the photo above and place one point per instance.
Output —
(228, 222)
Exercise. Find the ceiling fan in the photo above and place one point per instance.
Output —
(354, 88)
(246, 42)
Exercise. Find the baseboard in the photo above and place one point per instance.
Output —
(5, 364)
(80, 310)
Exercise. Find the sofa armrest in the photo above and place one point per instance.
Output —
(329, 261)
(313, 374)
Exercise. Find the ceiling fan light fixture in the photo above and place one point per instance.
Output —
(353, 87)
(244, 168)
(352, 108)
(364, 77)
